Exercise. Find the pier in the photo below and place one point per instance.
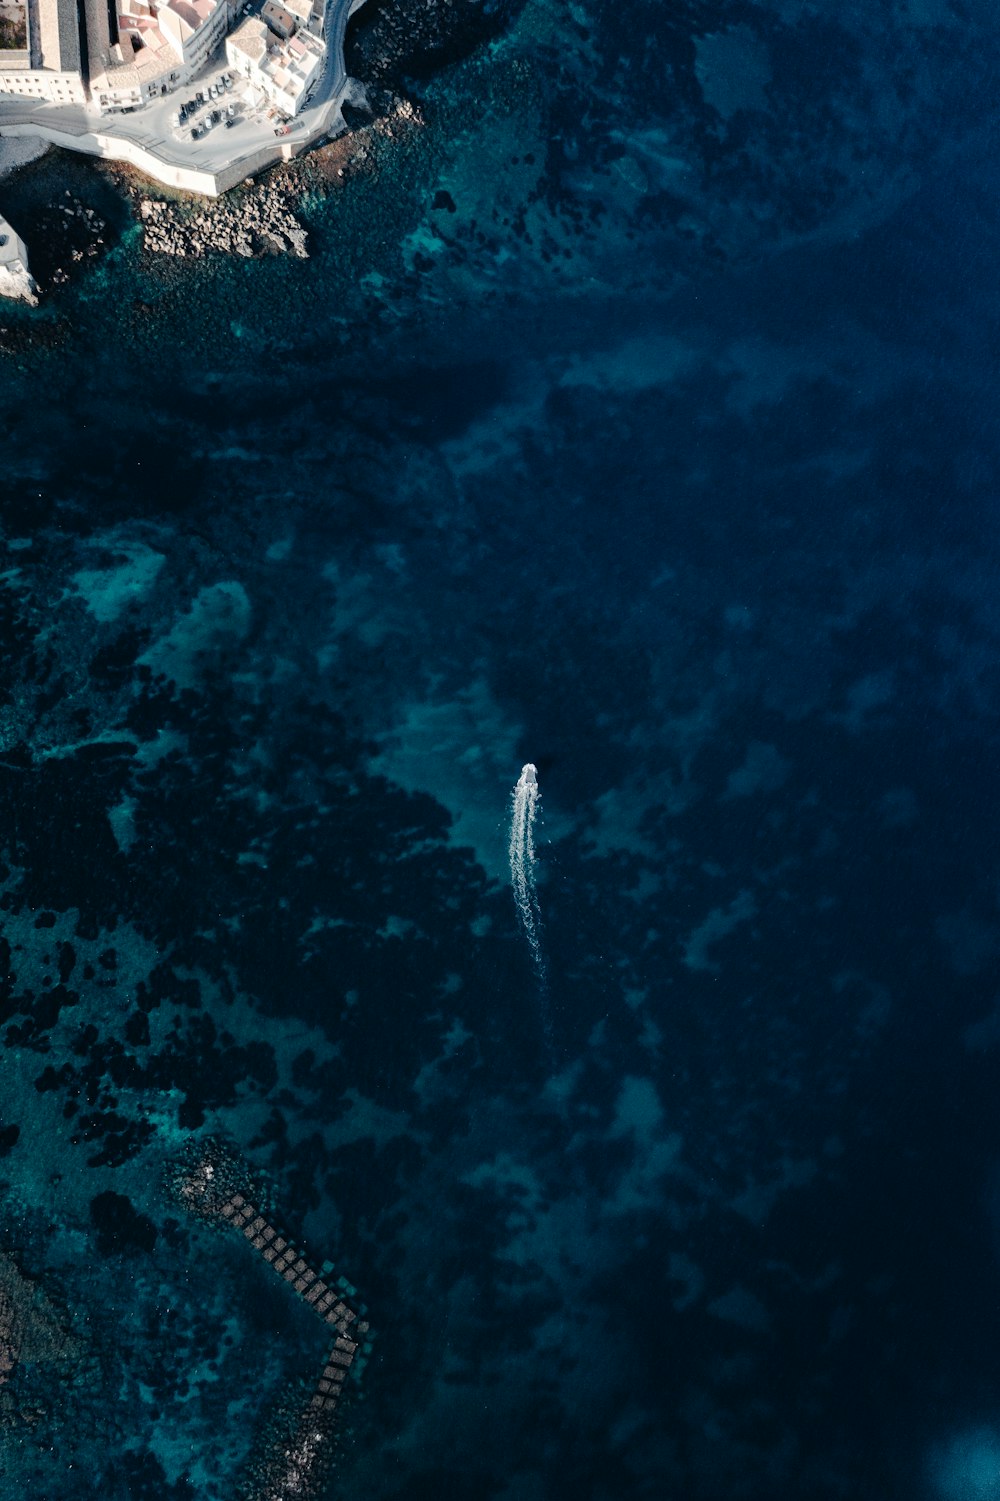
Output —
(213, 1187)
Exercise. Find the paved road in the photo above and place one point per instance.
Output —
(220, 149)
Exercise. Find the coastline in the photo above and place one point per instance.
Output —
(143, 138)
(70, 211)
(205, 219)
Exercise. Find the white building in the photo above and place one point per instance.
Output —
(161, 44)
(291, 69)
(246, 49)
(128, 51)
(50, 67)
(18, 77)
(195, 28)
(309, 14)
(283, 68)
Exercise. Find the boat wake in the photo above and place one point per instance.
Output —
(524, 807)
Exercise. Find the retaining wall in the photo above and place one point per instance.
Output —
(193, 179)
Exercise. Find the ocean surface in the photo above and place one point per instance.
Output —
(635, 417)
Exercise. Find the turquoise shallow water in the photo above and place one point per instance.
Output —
(633, 417)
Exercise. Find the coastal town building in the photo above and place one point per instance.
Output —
(308, 15)
(281, 54)
(158, 48)
(49, 64)
(279, 19)
(116, 56)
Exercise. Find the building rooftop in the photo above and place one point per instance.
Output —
(59, 35)
(193, 13)
(250, 39)
(279, 17)
(290, 65)
(129, 66)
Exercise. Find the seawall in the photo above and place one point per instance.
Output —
(172, 175)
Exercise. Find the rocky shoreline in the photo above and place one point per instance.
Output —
(396, 43)
(389, 46)
(260, 218)
(261, 222)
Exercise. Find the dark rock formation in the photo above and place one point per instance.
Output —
(257, 222)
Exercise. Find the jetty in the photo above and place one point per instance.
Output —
(296, 1465)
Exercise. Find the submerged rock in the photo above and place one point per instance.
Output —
(32, 1329)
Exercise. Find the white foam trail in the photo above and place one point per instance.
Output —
(524, 806)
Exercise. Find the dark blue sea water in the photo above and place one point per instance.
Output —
(635, 417)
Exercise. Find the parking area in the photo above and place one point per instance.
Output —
(222, 100)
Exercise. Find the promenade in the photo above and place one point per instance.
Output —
(149, 141)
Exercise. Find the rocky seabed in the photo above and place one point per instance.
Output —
(82, 232)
